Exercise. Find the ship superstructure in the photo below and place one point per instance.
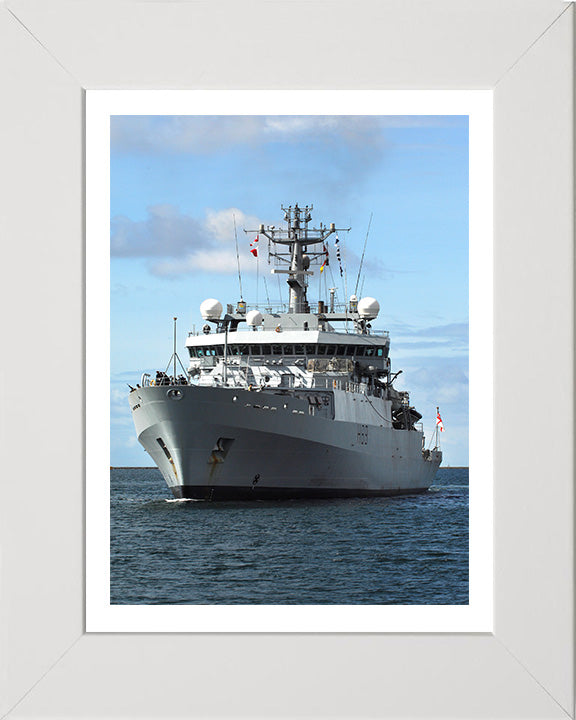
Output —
(285, 402)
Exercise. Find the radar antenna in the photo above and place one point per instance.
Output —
(293, 251)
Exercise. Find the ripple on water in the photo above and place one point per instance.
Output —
(410, 550)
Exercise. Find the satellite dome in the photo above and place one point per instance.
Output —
(368, 308)
(211, 309)
(254, 318)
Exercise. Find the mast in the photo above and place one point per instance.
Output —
(174, 353)
(296, 238)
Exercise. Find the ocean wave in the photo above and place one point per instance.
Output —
(183, 500)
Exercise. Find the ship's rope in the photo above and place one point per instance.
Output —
(257, 276)
(376, 411)
(267, 295)
(237, 257)
(363, 253)
(390, 421)
(332, 276)
(345, 286)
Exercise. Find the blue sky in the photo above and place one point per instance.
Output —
(178, 181)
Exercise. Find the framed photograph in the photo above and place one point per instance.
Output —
(430, 153)
(67, 649)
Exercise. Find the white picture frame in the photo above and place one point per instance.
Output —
(52, 53)
(476, 614)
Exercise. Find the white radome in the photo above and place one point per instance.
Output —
(368, 308)
(254, 318)
(211, 309)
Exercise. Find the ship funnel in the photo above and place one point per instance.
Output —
(211, 309)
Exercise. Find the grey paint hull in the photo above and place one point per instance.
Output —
(220, 443)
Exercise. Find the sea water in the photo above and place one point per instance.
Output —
(409, 550)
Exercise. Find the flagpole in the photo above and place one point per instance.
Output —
(345, 289)
(225, 373)
(438, 421)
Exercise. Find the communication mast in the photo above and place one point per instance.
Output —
(297, 237)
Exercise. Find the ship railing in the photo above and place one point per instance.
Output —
(271, 308)
(284, 308)
(340, 384)
(165, 380)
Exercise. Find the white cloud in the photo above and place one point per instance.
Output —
(204, 134)
(181, 133)
(178, 244)
(220, 223)
(215, 261)
(286, 125)
(165, 232)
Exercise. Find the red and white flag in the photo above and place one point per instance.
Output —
(439, 423)
(254, 247)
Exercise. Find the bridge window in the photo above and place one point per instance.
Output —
(266, 349)
(192, 352)
(322, 349)
(350, 350)
(298, 349)
(276, 349)
(311, 350)
(255, 350)
(360, 351)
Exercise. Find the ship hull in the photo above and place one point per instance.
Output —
(231, 444)
(215, 493)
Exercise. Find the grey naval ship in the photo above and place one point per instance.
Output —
(278, 403)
